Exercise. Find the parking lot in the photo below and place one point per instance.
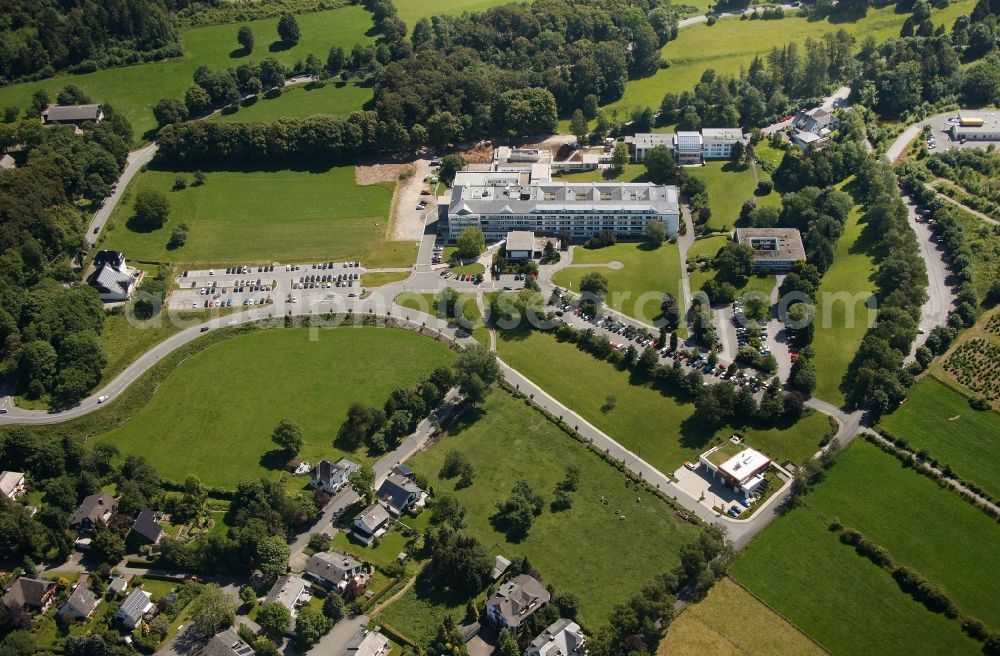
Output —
(264, 285)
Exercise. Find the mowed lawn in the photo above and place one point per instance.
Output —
(410, 11)
(637, 288)
(924, 526)
(842, 314)
(214, 415)
(259, 216)
(645, 421)
(732, 622)
(611, 558)
(732, 43)
(427, 302)
(937, 418)
(729, 185)
(840, 599)
(336, 98)
(133, 90)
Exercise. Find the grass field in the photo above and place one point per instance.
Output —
(234, 392)
(260, 216)
(838, 333)
(728, 185)
(637, 288)
(410, 11)
(764, 152)
(732, 43)
(731, 622)
(133, 90)
(379, 278)
(339, 99)
(939, 419)
(648, 423)
(631, 173)
(861, 609)
(601, 572)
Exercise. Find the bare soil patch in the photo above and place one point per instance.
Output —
(376, 173)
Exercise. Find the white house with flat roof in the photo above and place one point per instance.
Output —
(743, 470)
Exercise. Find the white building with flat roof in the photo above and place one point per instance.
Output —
(976, 126)
(689, 148)
(743, 470)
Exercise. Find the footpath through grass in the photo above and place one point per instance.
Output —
(612, 557)
(259, 216)
(801, 569)
(133, 90)
(636, 288)
(937, 418)
(652, 425)
(732, 622)
(213, 415)
(846, 286)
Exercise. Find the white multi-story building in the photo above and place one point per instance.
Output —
(499, 202)
(688, 148)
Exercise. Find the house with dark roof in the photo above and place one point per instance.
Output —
(333, 569)
(113, 279)
(72, 114)
(28, 594)
(82, 603)
(398, 493)
(134, 608)
(227, 643)
(146, 528)
(95, 508)
(331, 476)
(515, 601)
(371, 523)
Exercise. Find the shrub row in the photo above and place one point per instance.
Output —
(946, 469)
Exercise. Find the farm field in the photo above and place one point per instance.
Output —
(728, 185)
(939, 419)
(338, 99)
(602, 572)
(259, 216)
(731, 622)
(637, 288)
(838, 334)
(732, 43)
(236, 391)
(133, 90)
(939, 535)
(648, 423)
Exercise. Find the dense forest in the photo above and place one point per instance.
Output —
(48, 332)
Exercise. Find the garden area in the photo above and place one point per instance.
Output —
(237, 390)
(638, 275)
(862, 609)
(133, 90)
(937, 419)
(639, 534)
(253, 215)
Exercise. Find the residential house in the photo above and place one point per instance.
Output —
(368, 643)
(28, 594)
(146, 528)
(562, 638)
(113, 279)
(7, 162)
(371, 523)
(118, 585)
(290, 591)
(12, 484)
(95, 508)
(515, 601)
(72, 114)
(227, 643)
(133, 608)
(811, 128)
(331, 476)
(333, 569)
(398, 493)
(81, 603)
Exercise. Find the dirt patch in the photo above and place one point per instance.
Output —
(481, 153)
(376, 173)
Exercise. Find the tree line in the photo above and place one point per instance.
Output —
(49, 332)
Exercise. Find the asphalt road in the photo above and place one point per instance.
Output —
(136, 160)
(940, 280)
